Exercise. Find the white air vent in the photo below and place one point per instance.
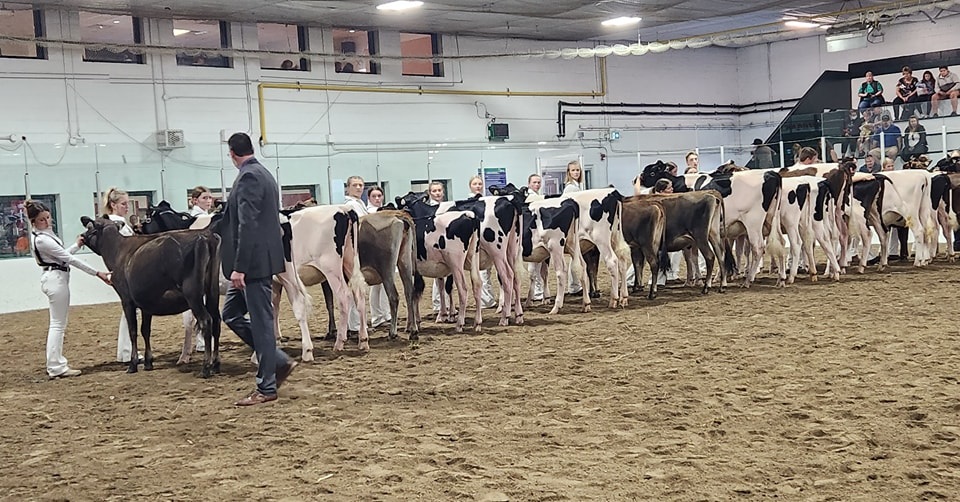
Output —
(168, 139)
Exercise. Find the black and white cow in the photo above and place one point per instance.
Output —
(601, 227)
(447, 244)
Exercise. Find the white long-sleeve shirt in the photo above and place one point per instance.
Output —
(126, 230)
(197, 211)
(571, 187)
(51, 250)
(355, 204)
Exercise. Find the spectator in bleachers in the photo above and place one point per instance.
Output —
(851, 130)
(887, 165)
(762, 155)
(870, 93)
(906, 94)
(891, 138)
(925, 90)
(914, 140)
(948, 87)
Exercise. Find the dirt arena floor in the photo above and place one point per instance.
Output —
(826, 391)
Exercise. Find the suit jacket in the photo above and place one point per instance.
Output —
(250, 228)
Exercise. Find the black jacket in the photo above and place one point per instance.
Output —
(251, 224)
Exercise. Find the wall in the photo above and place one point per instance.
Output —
(319, 138)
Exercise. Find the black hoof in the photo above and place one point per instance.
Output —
(206, 372)
(414, 336)
(594, 294)
(148, 366)
(131, 369)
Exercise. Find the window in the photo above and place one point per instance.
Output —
(195, 35)
(417, 45)
(121, 30)
(553, 178)
(282, 38)
(18, 20)
(355, 46)
(140, 204)
(14, 228)
(291, 194)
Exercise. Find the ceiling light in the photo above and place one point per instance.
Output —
(179, 31)
(116, 21)
(352, 31)
(621, 21)
(800, 24)
(400, 5)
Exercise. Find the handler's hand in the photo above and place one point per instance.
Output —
(236, 278)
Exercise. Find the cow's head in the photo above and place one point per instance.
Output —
(411, 198)
(653, 172)
(848, 165)
(95, 230)
(917, 162)
(949, 164)
(729, 167)
(509, 189)
(163, 218)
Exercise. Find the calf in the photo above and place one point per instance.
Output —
(601, 228)
(550, 231)
(163, 274)
(447, 244)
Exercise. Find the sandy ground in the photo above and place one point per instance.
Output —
(822, 391)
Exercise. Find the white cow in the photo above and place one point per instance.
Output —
(600, 226)
(325, 249)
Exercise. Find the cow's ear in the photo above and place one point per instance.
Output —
(494, 190)
(86, 221)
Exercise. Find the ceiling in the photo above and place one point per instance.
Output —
(566, 20)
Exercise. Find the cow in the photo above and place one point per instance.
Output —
(325, 250)
(162, 218)
(693, 220)
(447, 244)
(601, 228)
(549, 230)
(909, 204)
(499, 217)
(162, 274)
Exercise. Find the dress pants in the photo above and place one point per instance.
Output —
(257, 330)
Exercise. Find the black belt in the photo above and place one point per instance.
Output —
(62, 268)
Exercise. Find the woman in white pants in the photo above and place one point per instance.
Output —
(487, 300)
(116, 205)
(379, 304)
(572, 183)
(201, 201)
(352, 199)
(55, 282)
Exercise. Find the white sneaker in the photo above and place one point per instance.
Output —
(66, 374)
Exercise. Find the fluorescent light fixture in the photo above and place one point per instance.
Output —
(116, 21)
(621, 21)
(400, 5)
(800, 24)
(179, 31)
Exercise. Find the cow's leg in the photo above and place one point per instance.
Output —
(328, 302)
(609, 257)
(533, 268)
(477, 283)
(579, 268)
(832, 269)
(807, 241)
(393, 298)
(299, 303)
(793, 235)
(543, 270)
(704, 242)
(592, 259)
(188, 338)
(275, 293)
(408, 277)
(692, 268)
(145, 331)
(505, 277)
(441, 314)
(562, 272)
(130, 314)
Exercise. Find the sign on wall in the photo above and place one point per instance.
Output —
(494, 176)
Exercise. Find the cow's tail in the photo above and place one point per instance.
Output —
(662, 257)
(409, 249)
(418, 285)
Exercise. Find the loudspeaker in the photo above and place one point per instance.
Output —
(348, 47)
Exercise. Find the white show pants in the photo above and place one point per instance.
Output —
(536, 280)
(56, 285)
(486, 292)
(379, 306)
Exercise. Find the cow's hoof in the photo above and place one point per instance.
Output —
(861, 269)
(415, 335)
(329, 337)
(612, 304)
(586, 308)
(148, 365)
(623, 302)
(206, 372)
(814, 278)
(338, 346)
(364, 346)
(183, 360)
(306, 356)
(459, 329)
(504, 322)
(790, 280)
(519, 320)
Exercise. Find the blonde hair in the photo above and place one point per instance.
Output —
(475, 177)
(110, 197)
(434, 184)
(568, 178)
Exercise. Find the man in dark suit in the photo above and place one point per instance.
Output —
(251, 253)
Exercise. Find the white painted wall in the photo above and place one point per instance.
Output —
(318, 138)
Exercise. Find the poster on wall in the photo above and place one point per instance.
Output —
(493, 176)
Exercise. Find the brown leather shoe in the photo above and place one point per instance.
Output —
(284, 372)
(256, 397)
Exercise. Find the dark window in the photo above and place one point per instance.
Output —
(107, 28)
(140, 204)
(14, 224)
(197, 35)
(291, 194)
(21, 23)
(424, 185)
(355, 48)
(422, 47)
(282, 38)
